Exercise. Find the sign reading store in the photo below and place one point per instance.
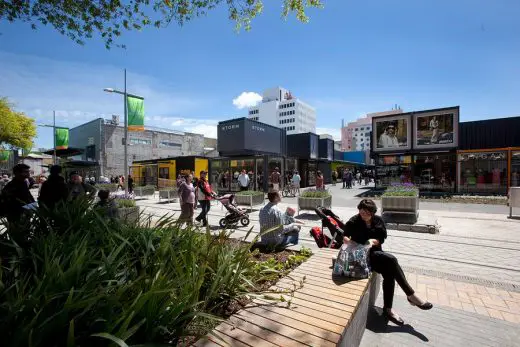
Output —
(237, 126)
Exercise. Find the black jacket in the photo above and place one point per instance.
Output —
(15, 195)
(53, 191)
(360, 232)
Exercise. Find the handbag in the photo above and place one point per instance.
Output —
(352, 261)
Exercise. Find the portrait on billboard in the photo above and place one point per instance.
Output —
(391, 133)
(436, 130)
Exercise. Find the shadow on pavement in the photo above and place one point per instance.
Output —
(377, 323)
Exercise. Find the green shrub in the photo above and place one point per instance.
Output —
(313, 193)
(111, 187)
(79, 279)
(123, 203)
(249, 192)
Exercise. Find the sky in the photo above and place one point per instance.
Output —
(352, 58)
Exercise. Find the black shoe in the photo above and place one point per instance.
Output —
(426, 306)
(394, 318)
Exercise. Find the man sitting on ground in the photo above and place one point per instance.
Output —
(271, 218)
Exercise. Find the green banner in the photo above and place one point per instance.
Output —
(135, 114)
(4, 155)
(62, 138)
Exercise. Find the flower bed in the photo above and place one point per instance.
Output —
(312, 198)
(81, 281)
(400, 204)
(111, 187)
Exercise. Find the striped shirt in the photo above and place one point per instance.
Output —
(271, 217)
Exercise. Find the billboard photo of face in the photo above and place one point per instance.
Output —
(435, 130)
(391, 133)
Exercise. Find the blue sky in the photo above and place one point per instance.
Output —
(353, 57)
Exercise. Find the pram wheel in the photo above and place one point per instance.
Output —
(244, 221)
(222, 222)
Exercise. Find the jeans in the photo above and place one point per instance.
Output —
(204, 206)
(386, 264)
(344, 183)
(292, 236)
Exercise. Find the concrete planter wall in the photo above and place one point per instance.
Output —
(129, 215)
(144, 191)
(168, 194)
(250, 200)
(400, 209)
(312, 203)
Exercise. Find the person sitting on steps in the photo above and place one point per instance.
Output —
(367, 228)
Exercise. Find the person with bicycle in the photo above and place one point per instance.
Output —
(295, 182)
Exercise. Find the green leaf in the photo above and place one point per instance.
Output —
(112, 338)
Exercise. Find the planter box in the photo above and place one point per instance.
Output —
(168, 194)
(111, 187)
(144, 191)
(128, 215)
(250, 200)
(400, 209)
(312, 203)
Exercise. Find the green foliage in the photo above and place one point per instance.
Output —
(406, 189)
(16, 129)
(312, 193)
(111, 187)
(249, 192)
(82, 19)
(79, 280)
(123, 203)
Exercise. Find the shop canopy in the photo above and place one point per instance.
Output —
(65, 153)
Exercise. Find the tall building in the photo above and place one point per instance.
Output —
(356, 135)
(102, 141)
(281, 109)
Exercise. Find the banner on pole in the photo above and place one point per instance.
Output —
(135, 109)
(62, 138)
(4, 155)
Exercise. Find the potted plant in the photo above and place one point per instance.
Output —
(127, 211)
(250, 198)
(144, 190)
(400, 203)
(312, 198)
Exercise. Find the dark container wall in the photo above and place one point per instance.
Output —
(491, 133)
(326, 170)
(326, 149)
(305, 146)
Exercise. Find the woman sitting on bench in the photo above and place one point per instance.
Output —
(367, 228)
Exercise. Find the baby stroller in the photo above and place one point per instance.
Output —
(234, 214)
(322, 240)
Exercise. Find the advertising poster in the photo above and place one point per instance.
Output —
(435, 130)
(391, 133)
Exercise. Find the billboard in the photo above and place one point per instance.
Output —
(436, 129)
(391, 133)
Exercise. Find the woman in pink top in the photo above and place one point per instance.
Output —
(187, 200)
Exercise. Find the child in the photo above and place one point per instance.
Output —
(289, 217)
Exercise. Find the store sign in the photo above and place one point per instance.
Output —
(391, 133)
(436, 129)
(483, 156)
(230, 127)
(257, 128)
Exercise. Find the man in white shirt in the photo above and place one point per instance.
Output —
(434, 126)
(243, 180)
(388, 138)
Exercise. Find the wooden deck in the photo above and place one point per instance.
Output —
(325, 311)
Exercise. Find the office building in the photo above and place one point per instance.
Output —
(281, 109)
(102, 142)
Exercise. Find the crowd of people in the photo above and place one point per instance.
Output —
(351, 177)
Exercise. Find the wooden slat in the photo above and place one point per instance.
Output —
(328, 284)
(216, 338)
(328, 293)
(338, 280)
(268, 335)
(243, 336)
(278, 326)
(322, 316)
(305, 317)
(345, 312)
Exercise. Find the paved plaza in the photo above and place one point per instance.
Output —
(470, 271)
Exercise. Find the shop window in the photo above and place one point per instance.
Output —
(515, 169)
(483, 172)
(136, 141)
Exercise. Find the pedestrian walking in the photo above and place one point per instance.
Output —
(243, 180)
(16, 194)
(334, 177)
(275, 179)
(350, 178)
(130, 184)
(204, 195)
(320, 185)
(296, 179)
(54, 190)
(345, 177)
(187, 200)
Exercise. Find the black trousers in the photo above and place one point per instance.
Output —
(388, 266)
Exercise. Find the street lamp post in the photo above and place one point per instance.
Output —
(125, 95)
(53, 126)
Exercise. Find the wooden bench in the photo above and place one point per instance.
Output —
(326, 311)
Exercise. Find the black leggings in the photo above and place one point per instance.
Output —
(387, 265)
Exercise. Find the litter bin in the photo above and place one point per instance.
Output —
(514, 199)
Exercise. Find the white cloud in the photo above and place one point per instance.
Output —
(334, 132)
(208, 130)
(247, 99)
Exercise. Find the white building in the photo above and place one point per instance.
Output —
(279, 108)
